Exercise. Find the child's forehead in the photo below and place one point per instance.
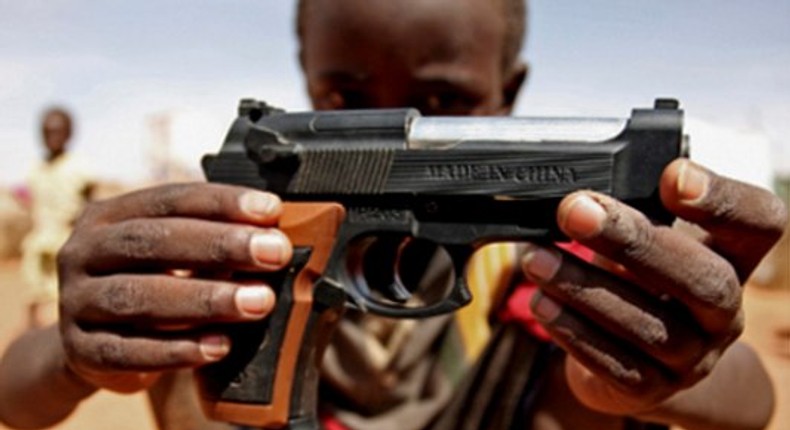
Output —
(436, 29)
(381, 19)
(55, 120)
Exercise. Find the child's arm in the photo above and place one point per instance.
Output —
(37, 388)
(738, 394)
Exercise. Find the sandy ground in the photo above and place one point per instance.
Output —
(767, 311)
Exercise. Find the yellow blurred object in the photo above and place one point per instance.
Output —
(489, 273)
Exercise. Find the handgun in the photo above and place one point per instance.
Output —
(371, 196)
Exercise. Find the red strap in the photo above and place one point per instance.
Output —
(329, 422)
(517, 310)
(578, 250)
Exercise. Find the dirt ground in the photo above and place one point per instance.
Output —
(767, 313)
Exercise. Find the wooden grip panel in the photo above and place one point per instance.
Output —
(307, 225)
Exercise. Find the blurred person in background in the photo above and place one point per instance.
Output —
(58, 188)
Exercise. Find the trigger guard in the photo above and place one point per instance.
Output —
(458, 297)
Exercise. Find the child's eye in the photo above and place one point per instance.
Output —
(446, 103)
(344, 99)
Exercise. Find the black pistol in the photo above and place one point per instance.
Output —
(370, 195)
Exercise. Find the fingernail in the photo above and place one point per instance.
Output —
(692, 183)
(268, 248)
(584, 217)
(544, 308)
(214, 347)
(254, 301)
(258, 204)
(541, 264)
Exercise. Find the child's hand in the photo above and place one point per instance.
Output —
(661, 314)
(144, 285)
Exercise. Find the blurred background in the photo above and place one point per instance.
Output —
(153, 85)
(142, 74)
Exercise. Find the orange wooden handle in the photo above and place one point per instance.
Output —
(313, 225)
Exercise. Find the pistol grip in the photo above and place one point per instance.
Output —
(270, 376)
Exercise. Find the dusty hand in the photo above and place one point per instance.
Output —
(658, 316)
(142, 284)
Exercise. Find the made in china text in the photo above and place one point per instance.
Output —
(520, 174)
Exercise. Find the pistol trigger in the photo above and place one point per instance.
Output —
(398, 293)
(355, 301)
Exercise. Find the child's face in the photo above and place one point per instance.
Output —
(442, 57)
(56, 132)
